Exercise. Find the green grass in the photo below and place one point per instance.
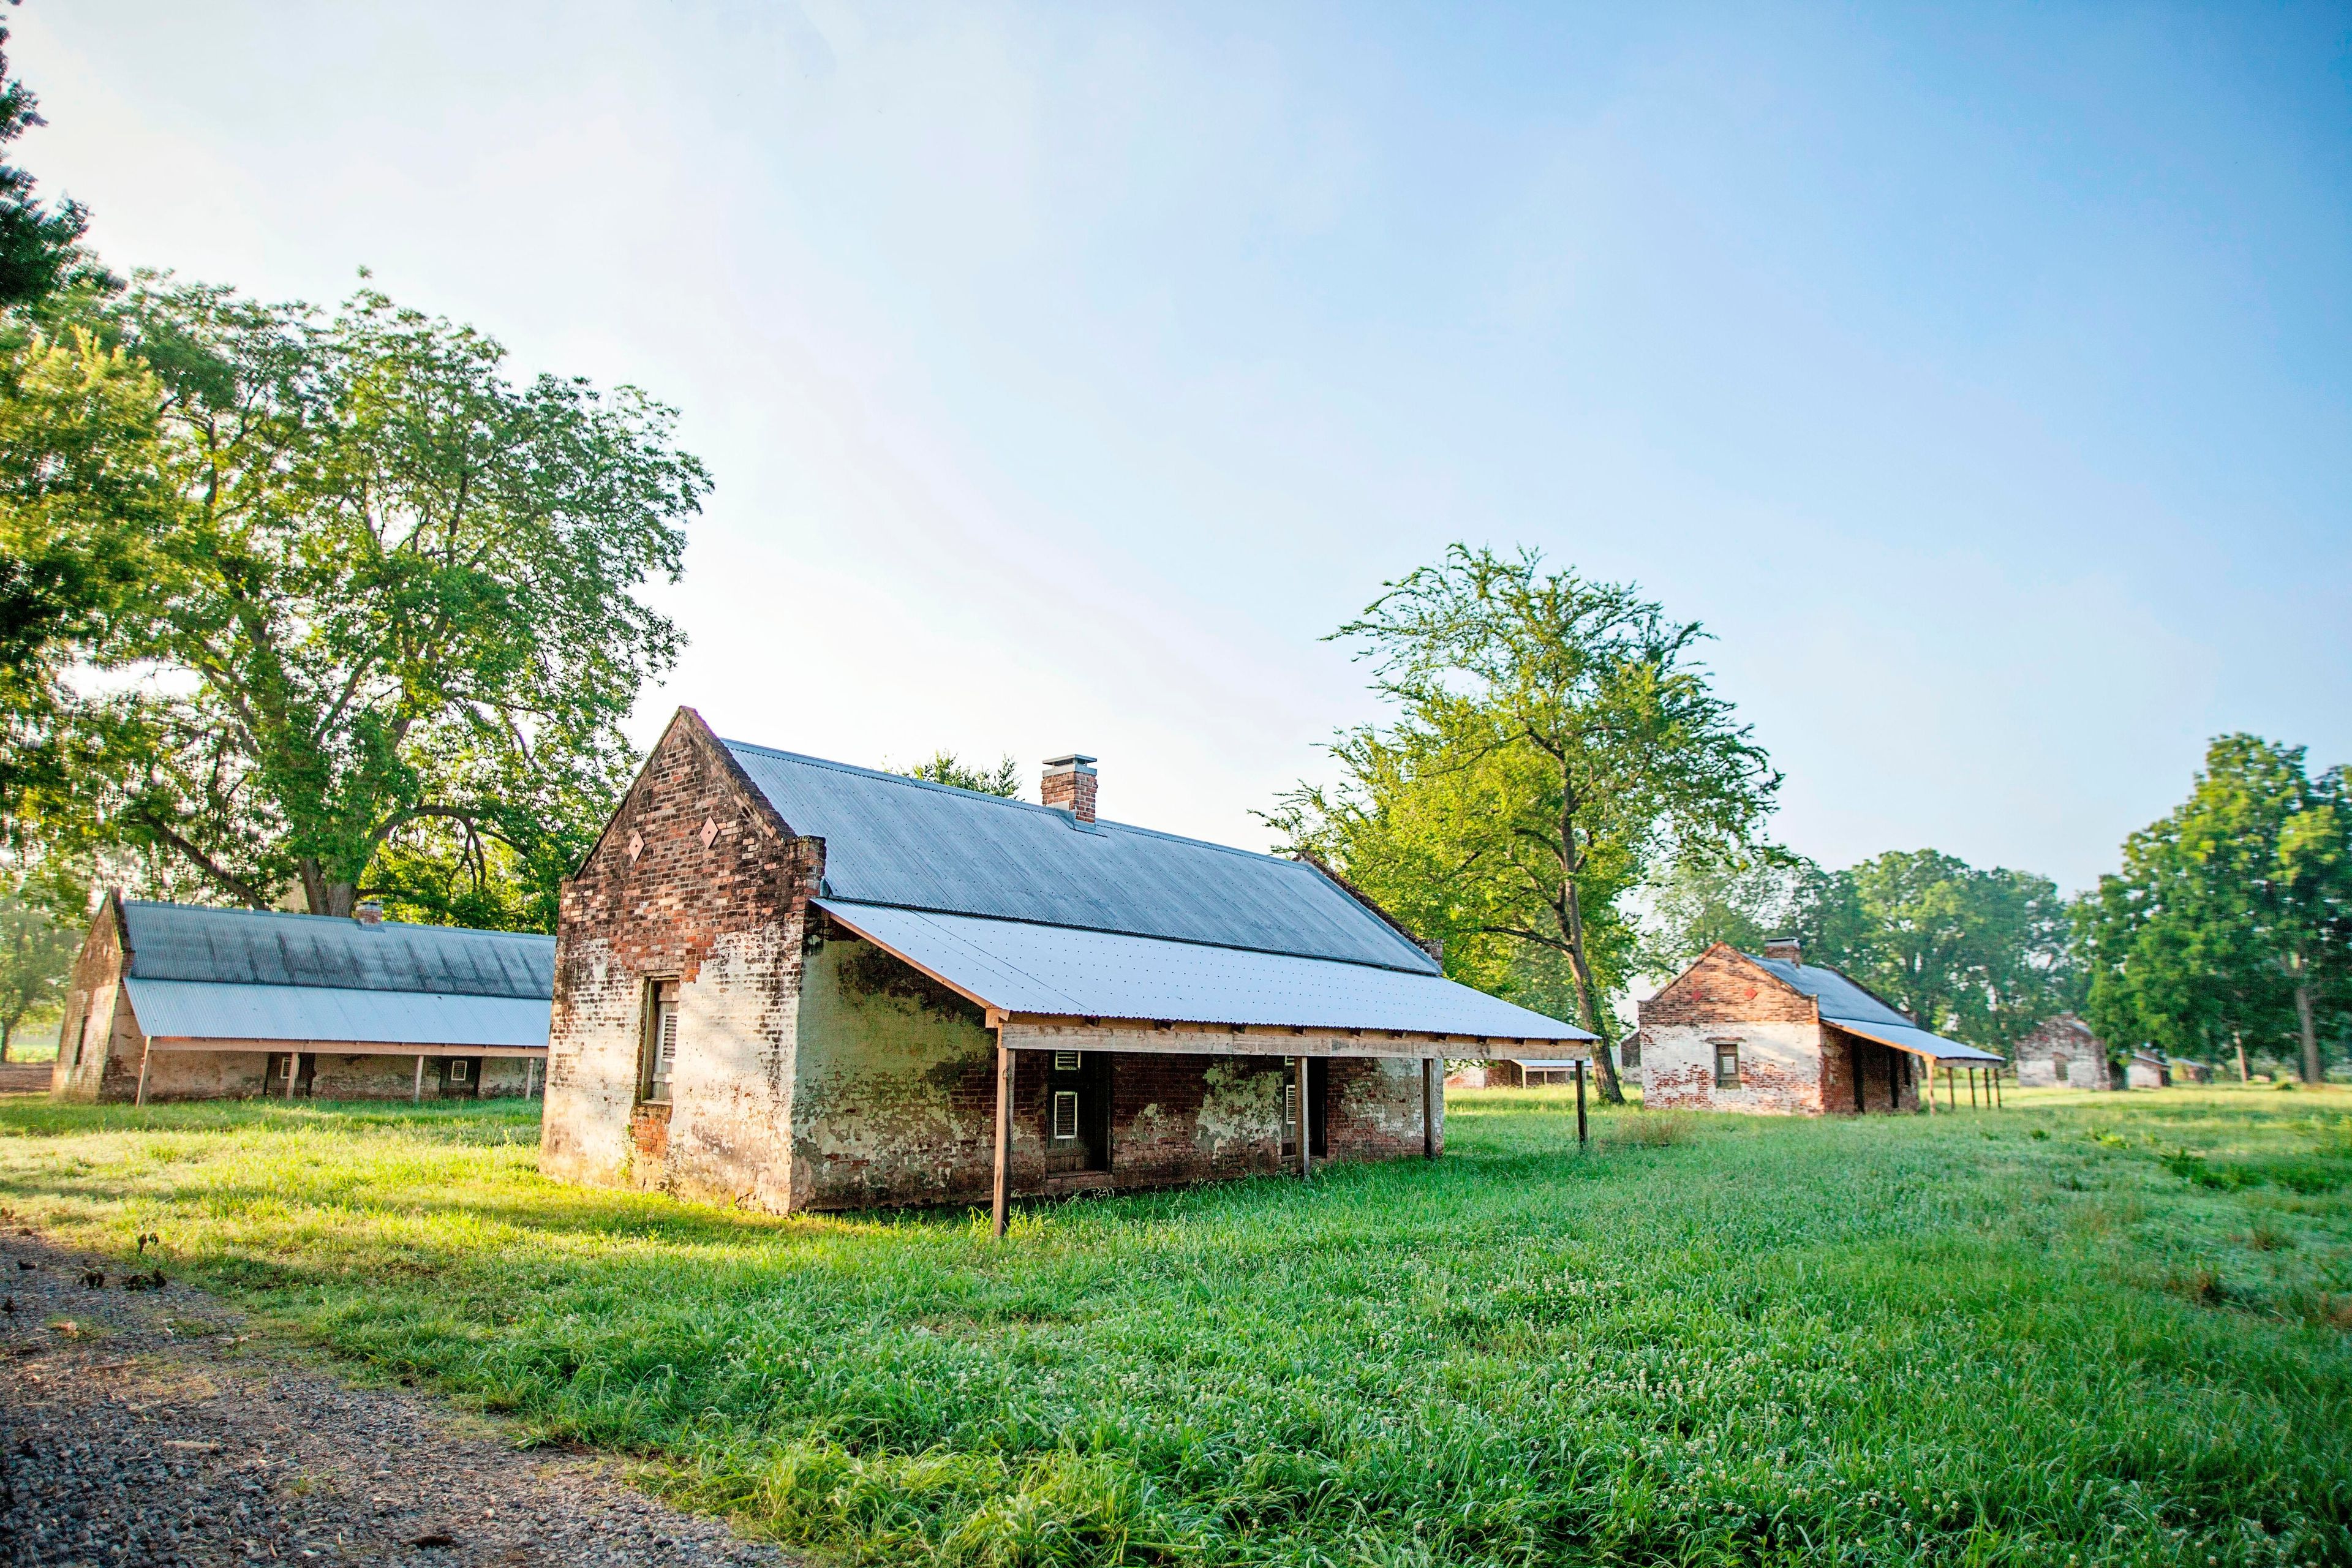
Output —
(2085, 1330)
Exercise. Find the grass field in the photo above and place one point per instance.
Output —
(2085, 1330)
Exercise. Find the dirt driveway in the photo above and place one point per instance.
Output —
(149, 1427)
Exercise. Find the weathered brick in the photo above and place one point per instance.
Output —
(1789, 1061)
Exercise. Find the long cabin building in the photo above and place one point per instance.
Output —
(1769, 1033)
(184, 1002)
(798, 985)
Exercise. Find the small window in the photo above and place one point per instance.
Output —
(661, 1040)
(461, 1072)
(1065, 1061)
(1290, 1103)
(1066, 1114)
(1726, 1064)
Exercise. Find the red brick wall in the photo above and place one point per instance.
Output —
(1783, 1068)
(716, 895)
(97, 1016)
(1723, 987)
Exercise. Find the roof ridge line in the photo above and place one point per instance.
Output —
(342, 920)
(1132, 935)
(886, 776)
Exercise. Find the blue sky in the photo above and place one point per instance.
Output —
(1981, 378)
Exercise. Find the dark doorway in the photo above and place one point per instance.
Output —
(1078, 1111)
(1878, 1074)
(1318, 1104)
(275, 1083)
(461, 1077)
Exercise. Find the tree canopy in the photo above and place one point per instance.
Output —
(76, 470)
(1556, 741)
(2230, 921)
(387, 625)
(944, 766)
(40, 246)
(1978, 956)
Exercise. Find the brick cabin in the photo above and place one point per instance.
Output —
(1772, 1035)
(797, 985)
(2063, 1053)
(184, 1002)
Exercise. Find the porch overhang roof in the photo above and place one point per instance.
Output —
(219, 1015)
(1918, 1042)
(1158, 994)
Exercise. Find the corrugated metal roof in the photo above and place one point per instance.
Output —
(1839, 997)
(1848, 1006)
(188, 942)
(893, 840)
(1023, 967)
(226, 1010)
(1904, 1037)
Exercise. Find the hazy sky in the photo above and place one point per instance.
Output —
(1981, 378)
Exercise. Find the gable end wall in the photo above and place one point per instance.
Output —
(1784, 1068)
(97, 1027)
(724, 919)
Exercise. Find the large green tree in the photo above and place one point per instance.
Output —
(1556, 741)
(388, 625)
(77, 431)
(2232, 918)
(83, 493)
(36, 954)
(1978, 954)
(1744, 901)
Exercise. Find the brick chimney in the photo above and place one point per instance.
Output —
(1069, 786)
(1783, 948)
(368, 912)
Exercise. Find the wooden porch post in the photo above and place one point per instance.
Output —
(1428, 1110)
(293, 1071)
(419, 1098)
(140, 1099)
(1000, 1199)
(1992, 1076)
(1580, 1134)
(1306, 1122)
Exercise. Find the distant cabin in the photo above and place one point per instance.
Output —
(1537, 1073)
(182, 1001)
(2063, 1053)
(1770, 1034)
(794, 984)
(2147, 1069)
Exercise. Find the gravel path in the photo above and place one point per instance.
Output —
(149, 1427)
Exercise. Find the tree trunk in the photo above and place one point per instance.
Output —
(1571, 911)
(2238, 1040)
(1589, 997)
(6, 1030)
(322, 896)
(2311, 1073)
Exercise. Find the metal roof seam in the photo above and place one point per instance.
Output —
(1017, 966)
(831, 898)
(917, 846)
